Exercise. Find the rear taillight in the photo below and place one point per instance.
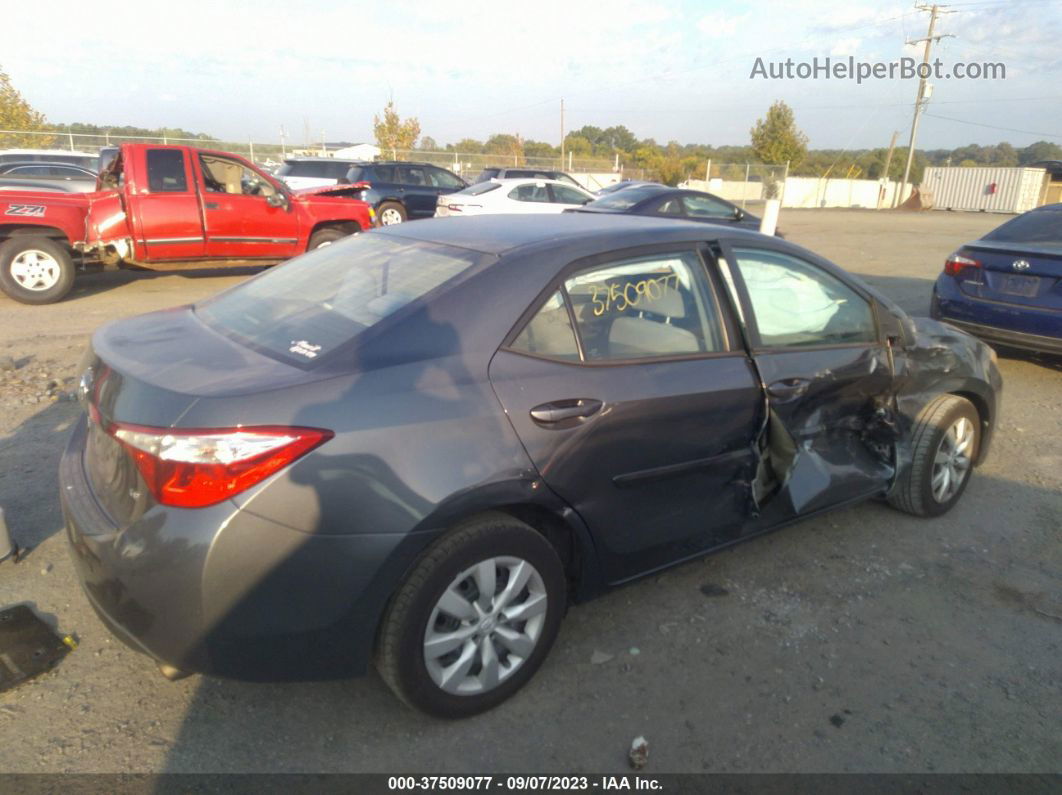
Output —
(956, 263)
(193, 468)
(459, 207)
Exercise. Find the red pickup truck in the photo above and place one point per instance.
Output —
(164, 208)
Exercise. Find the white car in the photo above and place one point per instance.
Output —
(512, 196)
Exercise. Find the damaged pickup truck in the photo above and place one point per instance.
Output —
(164, 208)
(418, 445)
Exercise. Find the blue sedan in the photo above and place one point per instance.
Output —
(1007, 287)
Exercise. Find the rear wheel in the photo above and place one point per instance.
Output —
(947, 436)
(391, 213)
(325, 237)
(474, 620)
(36, 270)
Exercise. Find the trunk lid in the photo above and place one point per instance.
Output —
(1012, 273)
(150, 371)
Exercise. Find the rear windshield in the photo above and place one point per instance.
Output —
(314, 304)
(1042, 227)
(480, 188)
(621, 200)
(313, 168)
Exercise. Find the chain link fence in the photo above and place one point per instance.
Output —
(742, 183)
(597, 171)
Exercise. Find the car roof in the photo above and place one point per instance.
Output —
(525, 180)
(505, 234)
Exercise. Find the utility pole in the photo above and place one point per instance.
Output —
(888, 162)
(920, 99)
(283, 148)
(562, 133)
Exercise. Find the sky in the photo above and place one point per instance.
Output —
(666, 70)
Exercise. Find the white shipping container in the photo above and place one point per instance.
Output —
(983, 188)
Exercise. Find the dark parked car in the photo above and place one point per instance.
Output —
(623, 185)
(1007, 286)
(400, 190)
(417, 446)
(76, 178)
(487, 174)
(663, 201)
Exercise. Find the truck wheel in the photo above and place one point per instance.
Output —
(392, 213)
(325, 237)
(36, 270)
(474, 619)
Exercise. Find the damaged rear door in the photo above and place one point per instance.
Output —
(829, 383)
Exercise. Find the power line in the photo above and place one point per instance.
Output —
(994, 127)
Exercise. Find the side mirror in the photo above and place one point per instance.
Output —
(738, 213)
(277, 199)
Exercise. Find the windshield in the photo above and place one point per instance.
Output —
(1040, 227)
(314, 304)
(623, 199)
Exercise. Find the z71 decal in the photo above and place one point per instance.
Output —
(26, 210)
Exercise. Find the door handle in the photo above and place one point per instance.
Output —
(788, 388)
(211, 205)
(560, 410)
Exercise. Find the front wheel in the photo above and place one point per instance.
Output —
(474, 620)
(36, 270)
(946, 438)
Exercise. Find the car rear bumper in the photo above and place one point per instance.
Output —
(222, 591)
(1003, 324)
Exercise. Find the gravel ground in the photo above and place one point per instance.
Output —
(864, 640)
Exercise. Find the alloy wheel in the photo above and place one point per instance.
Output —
(951, 464)
(36, 270)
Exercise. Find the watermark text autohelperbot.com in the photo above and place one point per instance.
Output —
(849, 68)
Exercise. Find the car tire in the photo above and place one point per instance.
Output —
(493, 643)
(36, 270)
(945, 441)
(325, 237)
(391, 213)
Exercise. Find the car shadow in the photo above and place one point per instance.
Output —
(29, 484)
(94, 282)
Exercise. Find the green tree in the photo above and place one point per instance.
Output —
(540, 149)
(429, 144)
(466, 146)
(776, 139)
(17, 114)
(1041, 150)
(392, 132)
(511, 147)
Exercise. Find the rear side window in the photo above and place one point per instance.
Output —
(310, 306)
(412, 175)
(549, 332)
(1039, 226)
(386, 174)
(797, 304)
(165, 169)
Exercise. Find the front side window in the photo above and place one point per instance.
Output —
(707, 207)
(165, 169)
(441, 178)
(318, 302)
(797, 304)
(672, 206)
(223, 175)
(565, 195)
(529, 193)
(654, 306)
